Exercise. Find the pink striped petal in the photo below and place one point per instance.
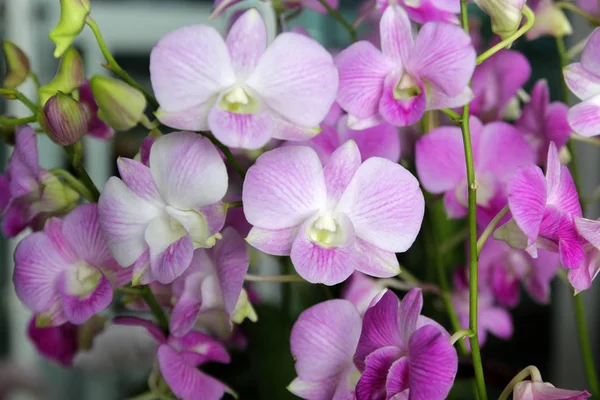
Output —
(454, 208)
(387, 214)
(382, 140)
(169, 263)
(286, 130)
(589, 230)
(570, 245)
(79, 309)
(373, 261)
(528, 390)
(299, 85)
(188, 67)
(236, 130)
(582, 277)
(409, 312)
(582, 82)
(232, 259)
(340, 169)
(590, 56)
(187, 308)
(275, 242)
(188, 170)
(584, 117)
(372, 383)
(246, 42)
(396, 35)
(397, 378)
(527, 200)
(562, 192)
(362, 71)
(139, 180)
(399, 111)
(283, 188)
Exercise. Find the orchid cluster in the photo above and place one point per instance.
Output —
(336, 165)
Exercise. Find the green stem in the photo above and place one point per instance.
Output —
(275, 279)
(73, 183)
(530, 16)
(473, 258)
(17, 121)
(584, 344)
(339, 18)
(22, 98)
(158, 312)
(573, 8)
(114, 66)
(453, 115)
(487, 232)
(82, 173)
(234, 204)
(531, 370)
(460, 334)
(228, 154)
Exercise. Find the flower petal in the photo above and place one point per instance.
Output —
(562, 192)
(194, 118)
(340, 169)
(231, 255)
(188, 170)
(584, 117)
(400, 111)
(189, 66)
(409, 312)
(443, 56)
(283, 188)
(582, 82)
(372, 383)
(139, 180)
(301, 84)
(396, 34)
(436, 99)
(246, 131)
(169, 263)
(590, 56)
(362, 69)
(544, 390)
(246, 42)
(187, 308)
(582, 277)
(397, 377)
(79, 309)
(570, 246)
(371, 260)
(382, 140)
(527, 200)
(275, 242)
(385, 204)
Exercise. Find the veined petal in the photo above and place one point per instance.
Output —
(372, 383)
(371, 260)
(236, 130)
(189, 66)
(590, 56)
(188, 170)
(340, 169)
(301, 84)
(388, 213)
(283, 188)
(527, 200)
(589, 230)
(409, 312)
(246, 42)
(584, 117)
(396, 35)
(78, 309)
(188, 305)
(582, 82)
(139, 180)
(582, 277)
(397, 110)
(362, 71)
(275, 242)
(286, 130)
(123, 220)
(322, 389)
(443, 56)
(562, 192)
(23, 168)
(397, 378)
(232, 261)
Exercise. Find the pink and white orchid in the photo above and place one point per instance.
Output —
(244, 91)
(154, 217)
(335, 219)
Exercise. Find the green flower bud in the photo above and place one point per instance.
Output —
(65, 120)
(68, 78)
(17, 65)
(72, 20)
(504, 14)
(119, 105)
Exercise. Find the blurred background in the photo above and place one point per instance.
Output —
(544, 335)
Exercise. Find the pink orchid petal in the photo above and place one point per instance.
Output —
(247, 41)
(59, 344)
(382, 140)
(436, 99)
(286, 130)
(373, 261)
(389, 213)
(583, 83)
(380, 329)
(362, 71)
(188, 170)
(396, 35)
(299, 85)
(79, 309)
(589, 230)
(166, 264)
(582, 277)
(317, 264)
(409, 312)
(439, 159)
(433, 364)
(527, 200)
(543, 271)
(246, 131)
(590, 56)
(189, 66)
(187, 308)
(400, 112)
(528, 390)
(215, 216)
(562, 192)
(283, 188)
(570, 246)
(275, 242)
(23, 167)
(497, 321)
(361, 290)
(443, 56)
(372, 383)
(397, 378)
(139, 180)
(323, 389)
(194, 118)
(232, 259)
(362, 124)
(454, 208)
(340, 169)
(152, 329)
(584, 117)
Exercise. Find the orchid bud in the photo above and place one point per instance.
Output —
(72, 20)
(65, 120)
(119, 105)
(243, 309)
(549, 20)
(505, 15)
(17, 65)
(68, 78)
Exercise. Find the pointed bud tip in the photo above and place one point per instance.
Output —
(73, 14)
(65, 119)
(119, 105)
(17, 65)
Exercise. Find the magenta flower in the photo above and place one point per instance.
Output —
(211, 286)
(402, 353)
(544, 209)
(428, 10)
(583, 78)
(403, 80)
(496, 83)
(323, 342)
(156, 216)
(543, 122)
(581, 278)
(66, 272)
(335, 219)
(244, 92)
(498, 151)
(537, 390)
(503, 269)
(28, 193)
(56, 343)
(179, 359)
(378, 141)
(96, 127)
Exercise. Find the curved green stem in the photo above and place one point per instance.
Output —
(74, 183)
(158, 312)
(453, 115)
(339, 18)
(114, 66)
(487, 232)
(460, 334)
(81, 173)
(234, 204)
(573, 8)
(21, 97)
(529, 371)
(275, 278)
(530, 16)
(17, 121)
(473, 258)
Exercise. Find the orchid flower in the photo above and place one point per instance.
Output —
(66, 273)
(406, 78)
(538, 390)
(96, 127)
(154, 217)
(243, 91)
(335, 219)
(426, 11)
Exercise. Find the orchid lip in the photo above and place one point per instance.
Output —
(407, 88)
(238, 100)
(326, 231)
(83, 279)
